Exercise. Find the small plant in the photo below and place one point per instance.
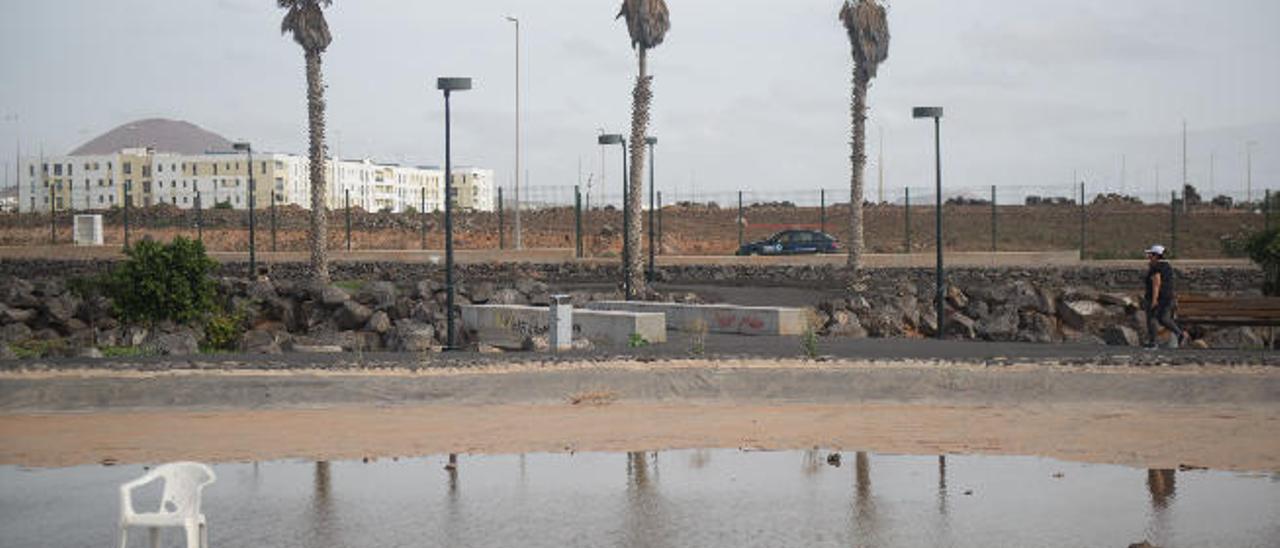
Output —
(223, 331)
(163, 282)
(809, 343)
(223, 205)
(637, 340)
(33, 348)
(593, 397)
(126, 351)
(1264, 249)
(698, 341)
(351, 286)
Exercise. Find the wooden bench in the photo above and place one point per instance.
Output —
(1202, 309)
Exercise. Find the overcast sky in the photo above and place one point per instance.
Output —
(749, 94)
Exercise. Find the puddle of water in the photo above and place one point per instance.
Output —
(677, 498)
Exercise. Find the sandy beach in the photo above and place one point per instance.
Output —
(1224, 418)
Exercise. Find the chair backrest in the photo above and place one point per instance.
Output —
(183, 484)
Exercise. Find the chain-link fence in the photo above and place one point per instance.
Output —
(1107, 225)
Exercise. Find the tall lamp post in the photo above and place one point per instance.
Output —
(253, 257)
(1248, 171)
(519, 241)
(449, 85)
(651, 141)
(936, 114)
(617, 139)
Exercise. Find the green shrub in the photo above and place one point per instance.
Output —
(222, 205)
(223, 331)
(1264, 249)
(637, 340)
(809, 343)
(163, 282)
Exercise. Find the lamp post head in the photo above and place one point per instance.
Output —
(453, 84)
(611, 139)
(926, 112)
(245, 146)
(513, 19)
(650, 141)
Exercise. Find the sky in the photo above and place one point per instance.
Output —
(748, 95)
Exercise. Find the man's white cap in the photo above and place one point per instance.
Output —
(1156, 249)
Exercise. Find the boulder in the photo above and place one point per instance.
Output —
(423, 312)
(262, 290)
(380, 295)
(845, 324)
(90, 352)
(1234, 337)
(427, 289)
(378, 323)
(1077, 314)
(18, 293)
(107, 337)
(317, 349)
(133, 335)
(1036, 327)
(956, 297)
(58, 310)
(15, 315)
(352, 315)
(282, 310)
(174, 344)
(1120, 335)
(412, 336)
(14, 332)
(6, 353)
(258, 341)
(1082, 337)
(480, 293)
(1118, 299)
(959, 325)
(507, 296)
(1000, 325)
(333, 296)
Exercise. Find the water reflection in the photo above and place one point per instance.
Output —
(712, 498)
(324, 520)
(866, 523)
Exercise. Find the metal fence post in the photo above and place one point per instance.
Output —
(822, 209)
(53, 222)
(906, 202)
(274, 226)
(422, 217)
(348, 208)
(1173, 223)
(660, 223)
(740, 223)
(993, 218)
(127, 199)
(502, 229)
(199, 216)
(577, 222)
(1082, 221)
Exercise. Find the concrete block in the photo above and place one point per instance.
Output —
(718, 318)
(507, 324)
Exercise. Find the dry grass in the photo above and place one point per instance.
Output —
(596, 397)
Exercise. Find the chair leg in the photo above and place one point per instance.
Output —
(193, 536)
(154, 534)
(124, 536)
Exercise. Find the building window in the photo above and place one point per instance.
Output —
(99, 198)
(70, 168)
(159, 168)
(174, 200)
(128, 168)
(146, 170)
(57, 169)
(215, 168)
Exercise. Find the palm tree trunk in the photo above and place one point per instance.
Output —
(317, 237)
(858, 161)
(639, 130)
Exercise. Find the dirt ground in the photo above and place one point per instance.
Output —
(1156, 417)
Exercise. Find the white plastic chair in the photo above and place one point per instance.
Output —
(179, 506)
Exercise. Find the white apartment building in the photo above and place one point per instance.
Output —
(78, 183)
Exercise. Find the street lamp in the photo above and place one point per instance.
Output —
(519, 240)
(1248, 171)
(448, 85)
(651, 141)
(617, 139)
(253, 258)
(936, 114)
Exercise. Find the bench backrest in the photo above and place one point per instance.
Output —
(1229, 310)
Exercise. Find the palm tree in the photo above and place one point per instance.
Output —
(868, 28)
(647, 23)
(305, 21)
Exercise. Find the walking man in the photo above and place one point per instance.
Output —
(1160, 297)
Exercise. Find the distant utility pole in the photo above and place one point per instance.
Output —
(1184, 154)
(1123, 174)
(1248, 171)
(519, 242)
(1157, 199)
(1211, 176)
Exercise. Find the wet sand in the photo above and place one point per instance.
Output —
(1220, 418)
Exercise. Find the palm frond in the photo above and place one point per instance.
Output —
(647, 21)
(867, 23)
(305, 21)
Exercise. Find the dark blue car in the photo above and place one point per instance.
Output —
(792, 242)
